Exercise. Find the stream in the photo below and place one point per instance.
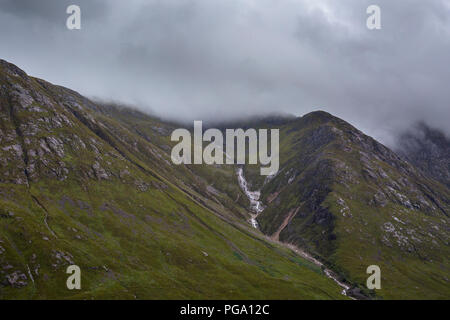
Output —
(256, 207)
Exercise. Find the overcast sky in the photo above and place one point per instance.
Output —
(203, 59)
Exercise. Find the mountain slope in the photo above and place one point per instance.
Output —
(92, 184)
(329, 171)
(353, 203)
(78, 187)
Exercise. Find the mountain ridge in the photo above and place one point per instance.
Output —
(68, 163)
(339, 188)
(78, 187)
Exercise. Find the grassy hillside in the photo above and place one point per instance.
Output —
(79, 187)
(92, 184)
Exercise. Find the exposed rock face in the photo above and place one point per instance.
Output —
(428, 149)
(39, 135)
(17, 279)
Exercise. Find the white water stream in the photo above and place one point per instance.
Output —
(256, 207)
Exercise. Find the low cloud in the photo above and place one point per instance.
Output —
(201, 59)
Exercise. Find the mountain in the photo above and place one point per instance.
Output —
(428, 149)
(80, 184)
(92, 184)
(352, 202)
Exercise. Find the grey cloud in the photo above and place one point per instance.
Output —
(51, 10)
(208, 59)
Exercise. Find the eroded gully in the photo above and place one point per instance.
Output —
(256, 207)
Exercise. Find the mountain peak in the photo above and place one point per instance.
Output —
(12, 68)
(319, 114)
(322, 117)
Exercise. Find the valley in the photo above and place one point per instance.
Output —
(92, 184)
